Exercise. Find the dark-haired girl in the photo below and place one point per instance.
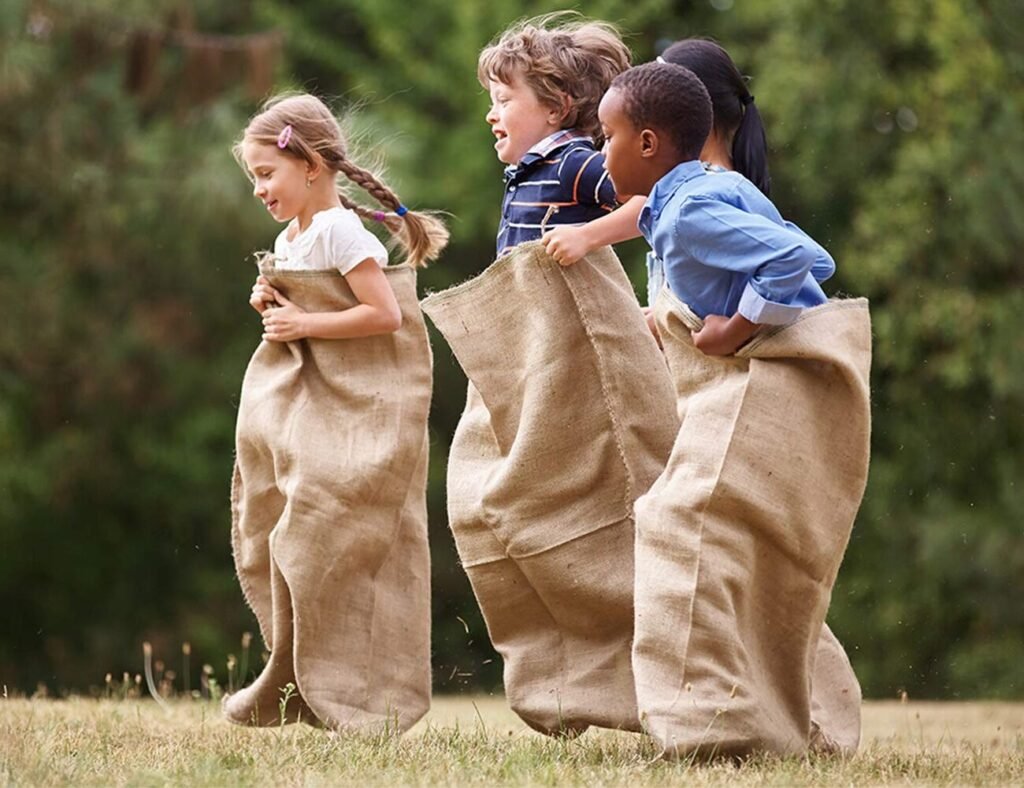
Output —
(737, 140)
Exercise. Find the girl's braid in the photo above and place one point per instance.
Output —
(421, 234)
(366, 181)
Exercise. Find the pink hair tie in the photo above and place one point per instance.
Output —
(379, 216)
(284, 137)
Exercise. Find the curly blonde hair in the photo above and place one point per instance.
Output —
(317, 138)
(560, 56)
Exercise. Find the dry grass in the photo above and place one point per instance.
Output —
(472, 741)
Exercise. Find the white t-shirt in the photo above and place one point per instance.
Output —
(335, 238)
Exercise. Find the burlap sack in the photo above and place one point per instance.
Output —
(329, 515)
(835, 699)
(569, 417)
(740, 539)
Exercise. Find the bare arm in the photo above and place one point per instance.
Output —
(376, 313)
(723, 336)
(569, 244)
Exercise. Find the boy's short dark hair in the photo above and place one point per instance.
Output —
(670, 99)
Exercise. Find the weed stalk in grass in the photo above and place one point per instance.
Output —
(287, 692)
(147, 666)
(243, 671)
(186, 653)
(232, 683)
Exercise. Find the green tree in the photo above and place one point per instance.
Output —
(896, 127)
(125, 228)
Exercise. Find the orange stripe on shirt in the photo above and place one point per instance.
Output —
(576, 185)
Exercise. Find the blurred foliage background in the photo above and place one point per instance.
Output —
(896, 130)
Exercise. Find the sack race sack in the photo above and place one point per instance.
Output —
(740, 539)
(835, 699)
(569, 417)
(329, 523)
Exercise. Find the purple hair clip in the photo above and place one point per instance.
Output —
(379, 216)
(284, 137)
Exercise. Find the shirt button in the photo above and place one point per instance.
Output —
(512, 188)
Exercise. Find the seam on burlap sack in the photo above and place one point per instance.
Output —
(602, 376)
(712, 496)
(247, 594)
(689, 318)
(571, 539)
(522, 556)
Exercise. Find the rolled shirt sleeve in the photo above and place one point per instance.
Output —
(773, 259)
(758, 309)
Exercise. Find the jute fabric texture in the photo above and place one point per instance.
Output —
(569, 417)
(329, 516)
(740, 538)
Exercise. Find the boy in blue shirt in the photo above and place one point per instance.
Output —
(739, 540)
(720, 245)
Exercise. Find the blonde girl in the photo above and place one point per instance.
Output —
(329, 491)
(294, 152)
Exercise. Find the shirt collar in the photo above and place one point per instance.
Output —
(545, 148)
(665, 188)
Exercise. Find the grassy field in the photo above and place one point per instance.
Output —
(473, 741)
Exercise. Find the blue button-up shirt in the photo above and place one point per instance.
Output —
(722, 247)
(563, 173)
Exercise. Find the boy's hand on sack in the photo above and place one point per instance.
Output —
(567, 244)
(652, 326)
(283, 323)
(723, 336)
(263, 295)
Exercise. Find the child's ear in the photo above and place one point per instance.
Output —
(314, 168)
(558, 113)
(649, 143)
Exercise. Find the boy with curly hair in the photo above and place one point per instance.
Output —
(546, 77)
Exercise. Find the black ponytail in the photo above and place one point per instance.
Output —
(750, 147)
(736, 114)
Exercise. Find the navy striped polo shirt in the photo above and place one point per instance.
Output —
(563, 173)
